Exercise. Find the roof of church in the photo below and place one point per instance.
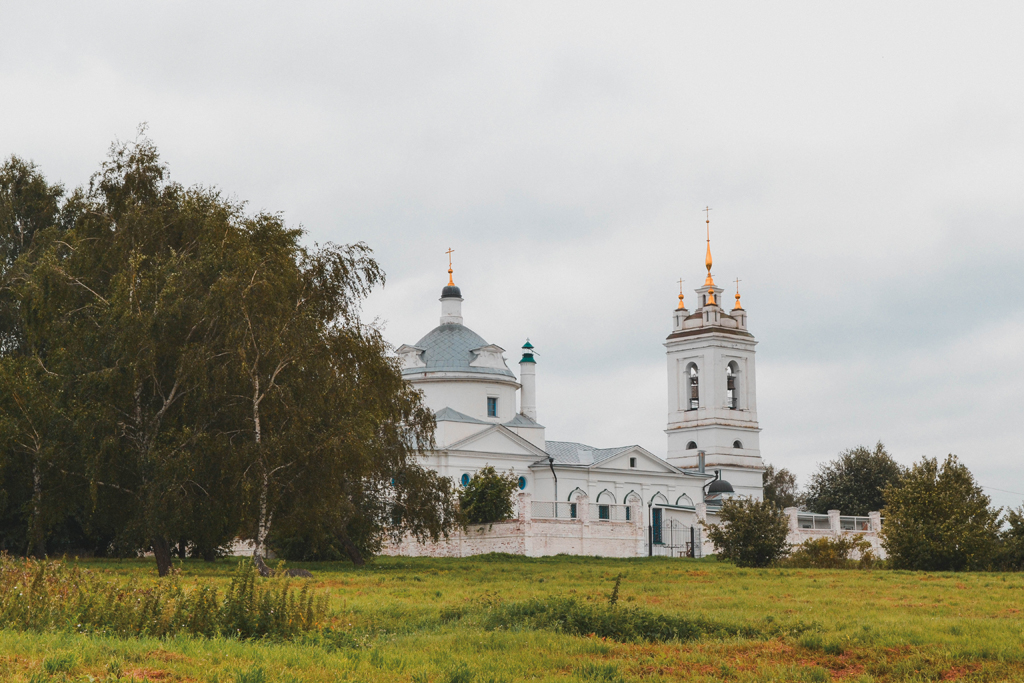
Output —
(569, 452)
(450, 415)
(521, 420)
(449, 348)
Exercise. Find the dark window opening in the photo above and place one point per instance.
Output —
(737, 444)
(691, 446)
(572, 510)
(694, 400)
(632, 462)
(492, 407)
(656, 526)
(732, 398)
(604, 512)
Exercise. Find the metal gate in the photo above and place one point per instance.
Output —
(671, 538)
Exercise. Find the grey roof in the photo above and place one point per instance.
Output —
(521, 420)
(572, 453)
(449, 415)
(448, 348)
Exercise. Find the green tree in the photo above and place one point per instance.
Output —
(127, 295)
(487, 497)
(752, 533)
(780, 487)
(853, 482)
(210, 374)
(32, 423)
(938, 519)
(1011, 541)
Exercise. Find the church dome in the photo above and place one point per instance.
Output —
(719, 486)
(451, 292)
(449, 348)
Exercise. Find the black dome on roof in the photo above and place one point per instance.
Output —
(720, 486)
(451, 291)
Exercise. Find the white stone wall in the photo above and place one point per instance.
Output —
(798, 535)
(537, 537)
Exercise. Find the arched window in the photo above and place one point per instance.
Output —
(684, 500)
(522, 483)
(604, 504)
(693, 391)
(631, 498)
(732, 386)
(691, 446)
(656, 517)
(737, 444)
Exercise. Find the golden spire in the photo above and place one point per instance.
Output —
(681, 304)
(709, 282)
(451, 283)
(737, 307)
(711, 294)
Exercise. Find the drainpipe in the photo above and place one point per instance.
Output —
(551, 464)
(650, 530)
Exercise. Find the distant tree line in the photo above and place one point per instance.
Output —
(936, 516)
(176, 372)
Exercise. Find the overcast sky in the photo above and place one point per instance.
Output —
(864, 163)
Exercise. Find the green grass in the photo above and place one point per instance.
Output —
(501, 618)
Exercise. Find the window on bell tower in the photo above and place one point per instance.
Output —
(492, 406)
(732, 389)
(693, 392)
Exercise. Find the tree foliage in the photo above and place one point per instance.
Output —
(780, 487)
(1011, 554)
(175, 372)
(938, 519)
(752, 533)
(853, 482)
(487, 497)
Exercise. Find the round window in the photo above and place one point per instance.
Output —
(522, 483)
(465, 480)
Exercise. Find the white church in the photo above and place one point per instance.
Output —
(580, 499)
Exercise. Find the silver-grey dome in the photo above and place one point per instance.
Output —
(449, 348)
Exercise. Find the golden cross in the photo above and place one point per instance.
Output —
(451, 283)
(680, 285)
(738, 285)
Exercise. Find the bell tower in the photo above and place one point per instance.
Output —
(712, 397)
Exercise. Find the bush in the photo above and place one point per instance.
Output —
(752, 534)
(487, 497)
(939, 519)
(570, 616)
(833, 553)
(56, 596)
(627, 625)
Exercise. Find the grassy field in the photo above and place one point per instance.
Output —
(424, 620)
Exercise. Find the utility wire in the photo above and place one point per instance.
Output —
(993, 488)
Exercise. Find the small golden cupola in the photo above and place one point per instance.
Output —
(681, 305)
(738, 306)
(708, 281)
